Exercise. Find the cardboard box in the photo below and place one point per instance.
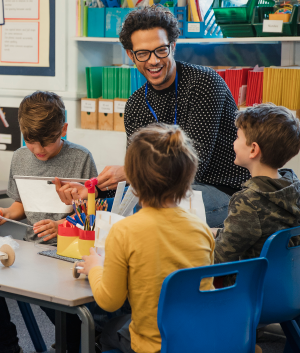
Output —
(106, 114)
(89, 113)
(119, 109)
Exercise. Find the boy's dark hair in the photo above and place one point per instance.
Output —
(41, 117)
(160, 164)
(274, 129)
(149, 17)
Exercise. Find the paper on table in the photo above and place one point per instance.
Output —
(39, 196)
(104, 221)
(195, 205)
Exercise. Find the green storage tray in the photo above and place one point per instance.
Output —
(237, 30)
(237, 14)
(288, 28)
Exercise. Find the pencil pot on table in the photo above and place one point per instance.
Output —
(74, 242)
(89, 113)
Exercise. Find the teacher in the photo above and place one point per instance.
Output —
(194, 97)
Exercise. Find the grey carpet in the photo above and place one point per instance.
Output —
(45, 325)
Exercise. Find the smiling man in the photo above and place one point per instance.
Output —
(194, 97)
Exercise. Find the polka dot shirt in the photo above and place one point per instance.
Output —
(206, 112)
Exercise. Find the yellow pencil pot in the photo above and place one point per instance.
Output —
(74, 242)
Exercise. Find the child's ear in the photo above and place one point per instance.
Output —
(64, 130)
(255, 150)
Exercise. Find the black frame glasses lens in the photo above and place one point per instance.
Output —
(147, 53)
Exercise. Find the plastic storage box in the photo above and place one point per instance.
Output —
(237, 14)
(288, 28)
(114, 20)
(96, 22)
(206, 29)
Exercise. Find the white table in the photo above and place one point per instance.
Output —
(48, 282)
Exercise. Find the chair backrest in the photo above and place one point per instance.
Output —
(213, 321)
(281, 301)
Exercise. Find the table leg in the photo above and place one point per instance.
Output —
(87, 329)
(60, 332)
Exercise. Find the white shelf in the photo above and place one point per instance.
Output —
(201, 40)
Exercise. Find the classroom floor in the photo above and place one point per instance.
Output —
(269, 343)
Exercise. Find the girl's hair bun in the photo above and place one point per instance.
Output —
(160, 163)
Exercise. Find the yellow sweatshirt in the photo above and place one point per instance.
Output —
(140, 252)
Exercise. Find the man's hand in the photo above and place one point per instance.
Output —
(90, 261)
(5, 214)
(110, 176)
(70, 191)
(46, 227)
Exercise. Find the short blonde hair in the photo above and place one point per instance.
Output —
(160, 164)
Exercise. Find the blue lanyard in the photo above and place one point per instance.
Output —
(151, 109)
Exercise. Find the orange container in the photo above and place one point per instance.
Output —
(285, 17)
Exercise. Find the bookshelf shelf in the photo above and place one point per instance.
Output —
(202, 40)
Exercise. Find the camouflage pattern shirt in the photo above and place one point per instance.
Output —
(261, 208)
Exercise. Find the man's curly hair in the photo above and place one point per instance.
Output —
(147, 18)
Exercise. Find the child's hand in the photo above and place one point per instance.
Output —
(47, 227)
(90, 261)
(3, 213)
(70, 191)
(215, 231)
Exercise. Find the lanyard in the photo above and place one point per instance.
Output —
(151, 109)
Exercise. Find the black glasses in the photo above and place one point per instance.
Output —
(160, 53)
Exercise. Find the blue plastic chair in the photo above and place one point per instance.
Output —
(281, 302)
(32, 327)
(221, 320)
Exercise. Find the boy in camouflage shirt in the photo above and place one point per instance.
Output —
(268, 137)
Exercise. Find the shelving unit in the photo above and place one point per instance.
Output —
(201, 40)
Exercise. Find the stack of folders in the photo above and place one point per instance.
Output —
(94, 81)
(137, 79)
(222, 73)
(254, 87)
(116, 82)
(281, 86)
(111, 82)
(197, 9)
(81, 16)
(236, 80)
